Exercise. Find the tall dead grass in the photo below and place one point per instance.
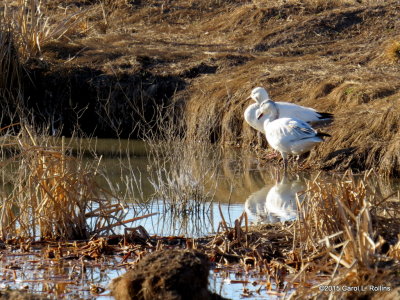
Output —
(11, 74)
(370, 135)
(32, 25)
(45, 192)
(48, 194)
(340, 239)
(183, 167)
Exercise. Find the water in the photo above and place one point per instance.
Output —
(230, 185)
(237, 184)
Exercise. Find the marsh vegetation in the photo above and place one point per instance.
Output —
(176, 75)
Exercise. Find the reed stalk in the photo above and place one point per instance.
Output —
(49, 194)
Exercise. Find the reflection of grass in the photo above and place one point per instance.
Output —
(50, 194)
(182, 166)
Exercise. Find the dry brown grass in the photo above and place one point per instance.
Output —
(340, 234)
(340, 70)
(49, 194)
(33, 25)
(335, 56)
(393, 51)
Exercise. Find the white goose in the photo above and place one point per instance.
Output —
(286, 110)
(287, 135)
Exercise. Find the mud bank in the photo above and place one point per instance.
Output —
(96, 103)
(120, 60)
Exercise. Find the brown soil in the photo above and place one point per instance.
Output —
(170, 274)
(338, 56)
(16, 295)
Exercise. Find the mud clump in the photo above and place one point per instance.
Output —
(170, 274)
(17, 295)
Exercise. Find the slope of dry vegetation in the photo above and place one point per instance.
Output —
(341, 60)
(114, 58)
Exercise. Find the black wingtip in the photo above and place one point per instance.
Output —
(323, 115)
(321, 134)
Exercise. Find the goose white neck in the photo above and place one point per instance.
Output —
(274, 111)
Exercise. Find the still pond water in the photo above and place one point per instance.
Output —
(233, 185)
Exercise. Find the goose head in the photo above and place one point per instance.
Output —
(259, 95)
(267, 107)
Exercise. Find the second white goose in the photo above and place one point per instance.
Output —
(285, 109)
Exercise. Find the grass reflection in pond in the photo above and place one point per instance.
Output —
(233, 181)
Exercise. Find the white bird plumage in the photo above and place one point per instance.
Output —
(255, 206)
(287, 135)
(277, 203)
(281, 199)
(286, 110)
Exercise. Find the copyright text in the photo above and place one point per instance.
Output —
(361, 288)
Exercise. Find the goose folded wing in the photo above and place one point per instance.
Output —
(301, 129)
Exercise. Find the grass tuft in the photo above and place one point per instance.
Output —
(339, 234)
(49, 194)
(183, 167)
(392, 52)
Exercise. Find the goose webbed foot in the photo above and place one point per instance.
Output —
(301, 160)
(271, 155)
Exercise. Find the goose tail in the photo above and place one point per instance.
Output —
(322, 134)
(324, 115)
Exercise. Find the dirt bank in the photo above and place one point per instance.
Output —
(117, 56)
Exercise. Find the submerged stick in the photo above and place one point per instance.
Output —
(124, 222)
(223, 222)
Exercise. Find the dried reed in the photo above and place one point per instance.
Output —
(32, 26)
(48, 194)
(11, 74)
(338, 234)
(183, 167)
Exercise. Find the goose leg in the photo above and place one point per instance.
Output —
(260, 138)
(301, 158)
(285, 161)
(285, 173)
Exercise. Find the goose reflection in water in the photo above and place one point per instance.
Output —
(277, 203)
